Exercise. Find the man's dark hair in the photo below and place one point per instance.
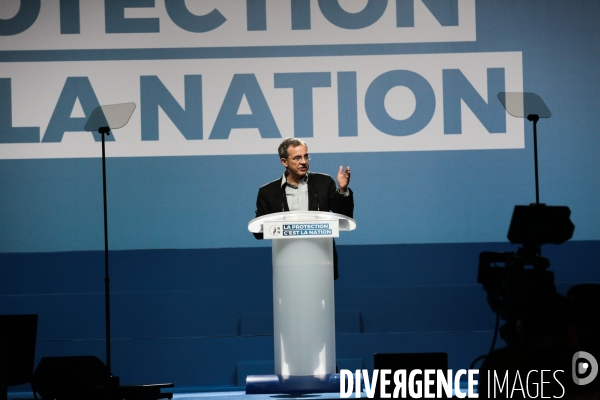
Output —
(283, 147)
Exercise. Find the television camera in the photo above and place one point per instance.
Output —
(516, 280)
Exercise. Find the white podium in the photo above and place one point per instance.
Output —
(303, 300)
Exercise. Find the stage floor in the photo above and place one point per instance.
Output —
(241, 394)
(218, 395)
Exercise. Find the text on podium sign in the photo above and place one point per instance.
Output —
(306, 229)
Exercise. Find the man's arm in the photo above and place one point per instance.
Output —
(343, 179)
(262, 207)
(345, 199)
(341, 203)
(268, 201)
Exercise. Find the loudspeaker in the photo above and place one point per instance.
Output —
(17, 335)
(72, 378)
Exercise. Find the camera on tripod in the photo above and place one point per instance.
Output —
(515, 280)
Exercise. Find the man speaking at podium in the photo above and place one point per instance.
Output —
(300, 190)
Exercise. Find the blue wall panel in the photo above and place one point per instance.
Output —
(178, 315)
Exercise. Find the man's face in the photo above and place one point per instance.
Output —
(297, 162)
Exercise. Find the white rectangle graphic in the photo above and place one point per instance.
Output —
(337, 104)
(112, 24)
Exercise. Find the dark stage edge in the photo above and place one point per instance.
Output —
(275, 384)
(230, 393)
(237, 394)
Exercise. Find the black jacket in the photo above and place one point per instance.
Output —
(322, 196)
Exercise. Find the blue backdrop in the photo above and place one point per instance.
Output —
(191, 286)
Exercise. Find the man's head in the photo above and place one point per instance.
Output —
(293, 154)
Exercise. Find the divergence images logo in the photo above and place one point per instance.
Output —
(275, 230)
(584, 367)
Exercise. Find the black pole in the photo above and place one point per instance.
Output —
(535, 118)
(106, 131)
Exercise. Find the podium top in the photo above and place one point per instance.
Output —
(345, 223)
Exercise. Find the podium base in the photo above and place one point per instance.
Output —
(276, 384)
